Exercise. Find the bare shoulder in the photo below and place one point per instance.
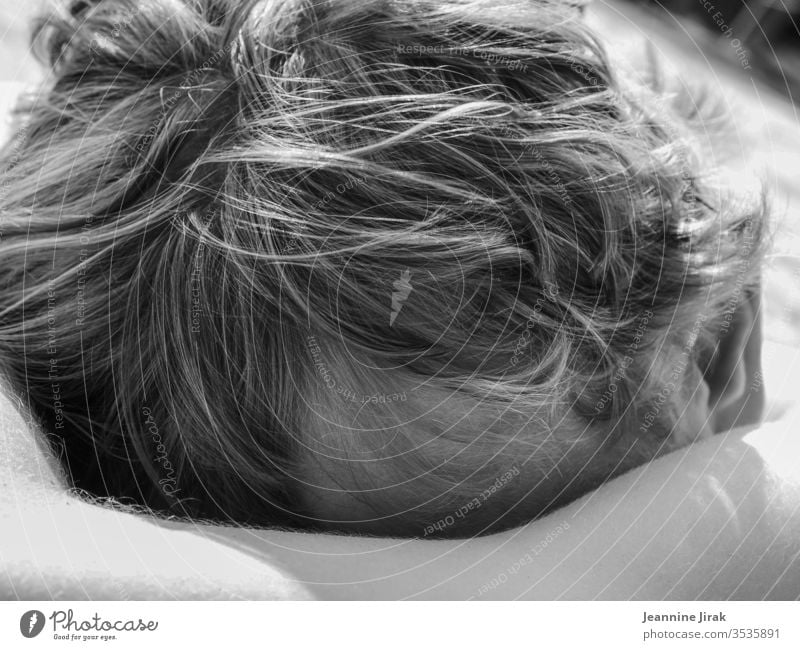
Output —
(716, 520)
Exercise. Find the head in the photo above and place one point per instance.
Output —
(403, 268)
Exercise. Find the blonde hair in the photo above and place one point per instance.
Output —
(209, 188)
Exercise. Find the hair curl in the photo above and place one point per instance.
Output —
(209, 193)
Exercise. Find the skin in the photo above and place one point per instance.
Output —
(67, 547)
(359, 480)
(716, 520)
(679, 528)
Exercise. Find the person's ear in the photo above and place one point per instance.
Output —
(736, 386)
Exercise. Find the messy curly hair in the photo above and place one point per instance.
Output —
(234, 232)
